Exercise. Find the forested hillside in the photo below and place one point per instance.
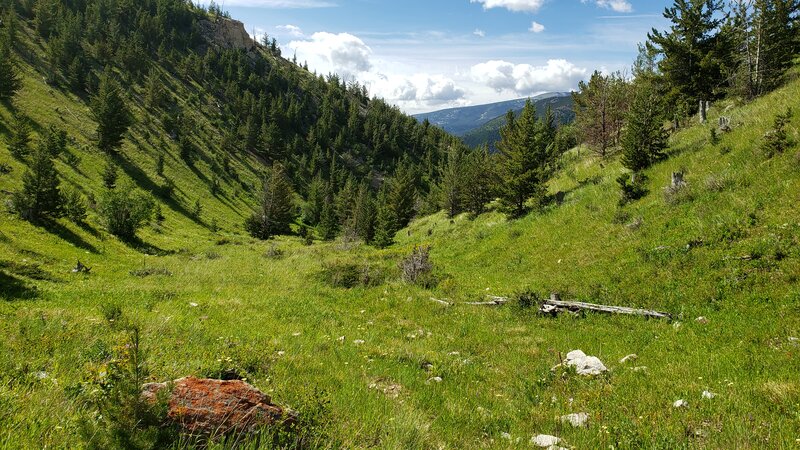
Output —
(193, 111)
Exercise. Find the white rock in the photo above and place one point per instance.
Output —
(639, 369)
(708, 395)
(358, 341)
(193, 305)
(435, 380)
(631, 357)
(506, 436)
(340, 339)
(41, 375)
(576, 420)
(585, 365)
(701, 319)
(545, 441)
(680, 404)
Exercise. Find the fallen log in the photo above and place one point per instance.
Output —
(493, 301)
(441, 302)
(554, 305)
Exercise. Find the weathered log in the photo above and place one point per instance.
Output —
(555, 305)
(703, 111)
(441, 302)
(494, 301)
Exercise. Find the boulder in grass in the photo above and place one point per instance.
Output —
(583, 364)
(206, 407)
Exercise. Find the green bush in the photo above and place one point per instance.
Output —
(633, 187)
(125, 210)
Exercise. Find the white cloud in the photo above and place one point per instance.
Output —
(536, 27)
(280, 4)
(525, 79)
(348, 56)
(293, 30)
(479, 33)
(342, 53)
(620, 6)
(530, 6)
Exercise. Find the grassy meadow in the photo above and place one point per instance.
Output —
(381, 364)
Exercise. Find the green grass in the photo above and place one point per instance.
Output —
(278, 322)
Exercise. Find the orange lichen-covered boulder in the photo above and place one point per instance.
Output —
(217, 407)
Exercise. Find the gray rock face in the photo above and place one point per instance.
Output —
(226, 33)
(585, 365)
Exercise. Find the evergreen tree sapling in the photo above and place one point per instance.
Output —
(111, 113)
(10, 81)
(20, 140)
(40, 197)
(276, 209)
(644, 138)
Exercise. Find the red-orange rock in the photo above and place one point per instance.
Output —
(216, 407)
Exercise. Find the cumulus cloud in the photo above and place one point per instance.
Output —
(525, 79)
(621, 6)
(348, 56)
(536, 27)
(479, 33)
(342, 53)
(530, 6)
(293, 30)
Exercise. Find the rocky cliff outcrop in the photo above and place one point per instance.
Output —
(226, 33)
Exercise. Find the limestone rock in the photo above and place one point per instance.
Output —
(545, 441)
(226, 33)
(585, 365)
(216, 407)
(577, 420)
(631, 357)
(680, 404)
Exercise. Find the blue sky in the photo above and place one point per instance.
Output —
(427, 55)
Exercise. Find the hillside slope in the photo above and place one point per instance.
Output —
(459, 121)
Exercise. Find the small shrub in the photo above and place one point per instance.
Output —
(725, 149)
(717, 183)
(713, 137)
(347, 275)
(528, 300)
(151, 271)
(112, 312)
(71, 159)
(621, 216)
(212, 255)
(110, 174)
(125, 210)
(74, 205)
(675, 194)
(417, 268)
(5, 169)
(776, 141)
(273, 252)
(632, 186)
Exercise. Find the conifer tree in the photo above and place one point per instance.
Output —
(523, 162)
(402, 194)
(644, 138)
(20, 140)
(315, 200)
(10, 81)
(111, 113)
(276, 209)
(385, 221)
(452, 181)
(363, 220)
(481, 176)
(692, 50)
(329, 222)
(40, 197)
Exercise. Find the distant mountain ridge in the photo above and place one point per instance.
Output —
(460, 121)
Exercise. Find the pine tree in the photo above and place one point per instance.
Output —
(524, 160)
(363, 219)
(110, 174)
(10, 81)
(402, 194)
(329, 222)
(315, 200)
(276, 209)
(386, 223)
(40, 197)
(481, 180)
(111, 113)
(452, 181)
(692, 51)
(600, 107)
(19, 143)
(644, 138)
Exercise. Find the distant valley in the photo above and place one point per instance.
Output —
(480, 124)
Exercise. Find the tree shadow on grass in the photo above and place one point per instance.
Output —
(68, 235)
(12, 288)
(144, 182)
